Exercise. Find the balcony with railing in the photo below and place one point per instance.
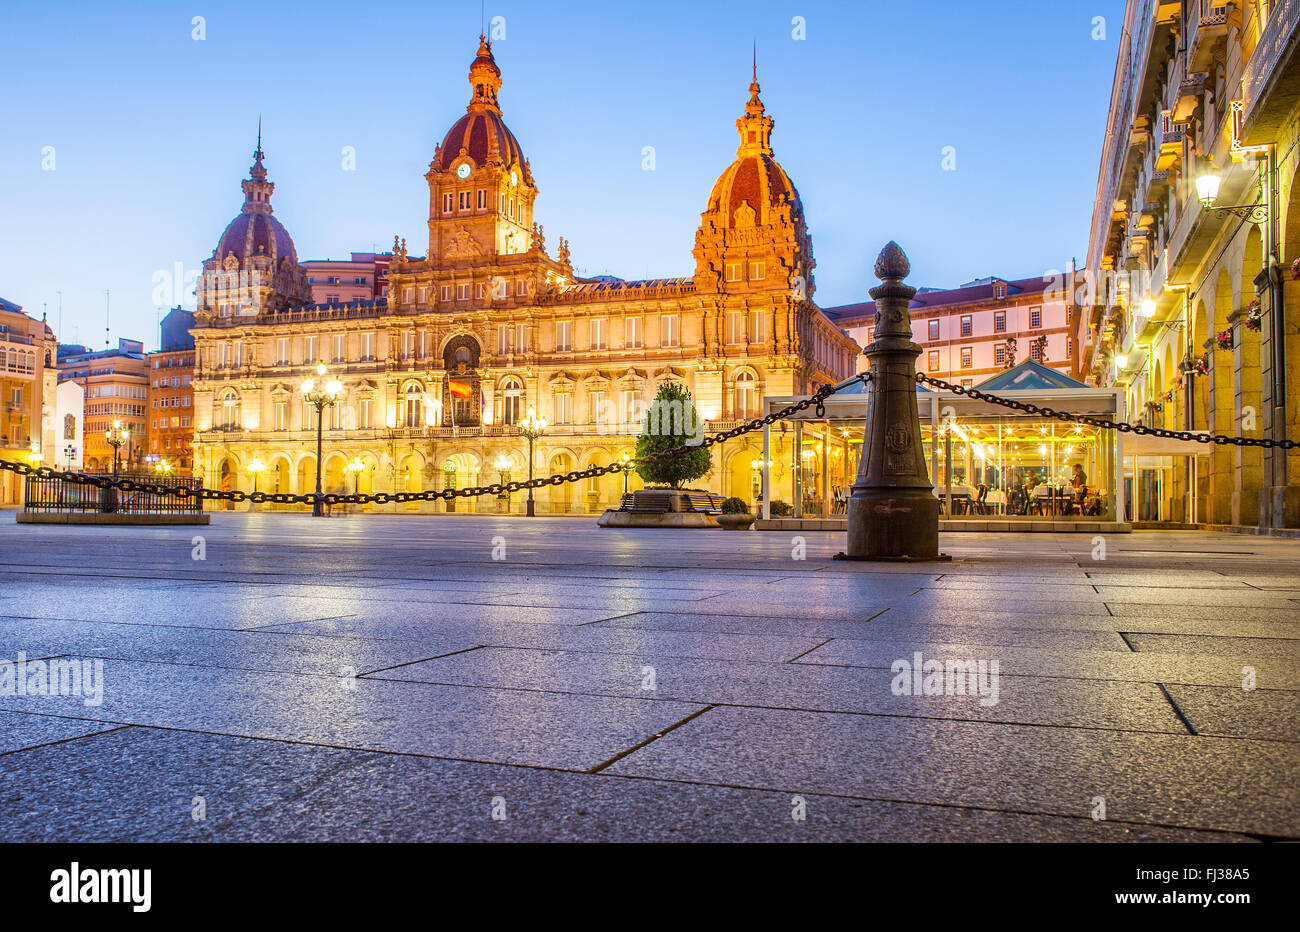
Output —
(1207, 25)
(1270, 82)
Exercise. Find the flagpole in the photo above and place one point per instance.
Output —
(451, 399)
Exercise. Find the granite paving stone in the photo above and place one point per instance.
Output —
(141, 784)
(27, 729)
(1271, 714)
(1028, 769)
(1118, 705)
(510, 726)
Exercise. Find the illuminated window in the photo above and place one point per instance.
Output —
(933, 363)
(669, 333)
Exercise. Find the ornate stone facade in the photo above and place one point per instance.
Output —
(492, 309)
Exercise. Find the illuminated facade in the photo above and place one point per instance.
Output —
(492, 308)
(28, 379)
(971, 333)
(116, 383)
(1193, 310)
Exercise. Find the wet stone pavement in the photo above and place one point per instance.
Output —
(395, 677)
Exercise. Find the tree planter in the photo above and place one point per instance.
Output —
(735, 522)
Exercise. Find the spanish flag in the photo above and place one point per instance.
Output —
(459, 389)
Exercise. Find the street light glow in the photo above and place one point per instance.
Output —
(1207, 188)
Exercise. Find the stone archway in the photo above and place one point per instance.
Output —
(561, 496)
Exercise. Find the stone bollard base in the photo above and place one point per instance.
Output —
(894, 525)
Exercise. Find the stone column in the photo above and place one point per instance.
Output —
(893, 514)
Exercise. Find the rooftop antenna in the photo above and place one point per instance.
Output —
(482, 17)
(106, 307)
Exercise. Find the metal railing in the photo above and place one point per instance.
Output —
(50, 494)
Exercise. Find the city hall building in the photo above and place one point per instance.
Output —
(492, 309)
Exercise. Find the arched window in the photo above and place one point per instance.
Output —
(512, 401)
(229, 410)
(413, 397)
(746, 395)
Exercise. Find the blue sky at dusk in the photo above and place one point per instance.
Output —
(153, 131)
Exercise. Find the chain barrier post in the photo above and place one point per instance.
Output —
(893, 513)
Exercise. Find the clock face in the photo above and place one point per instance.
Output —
(514, 179)
(463, 170)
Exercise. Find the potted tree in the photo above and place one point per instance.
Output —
(671, 422)
(736, 515)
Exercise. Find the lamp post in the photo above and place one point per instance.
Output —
(355, 467)
(320, 398)
(531, 426)
(503, 465)
(626, 462)
(116, 436)
(255, 467)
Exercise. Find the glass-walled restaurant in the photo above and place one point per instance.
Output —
(985, 460)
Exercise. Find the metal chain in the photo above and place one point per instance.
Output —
(384, 498)
(1103, 422)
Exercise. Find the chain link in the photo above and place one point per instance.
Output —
(1104, 422)
(384, 498)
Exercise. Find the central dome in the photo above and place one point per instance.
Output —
(481, 134)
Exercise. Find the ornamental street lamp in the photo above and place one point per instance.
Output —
(256, 467)
(320, 397)
(626, 463)
(503, 464)
(1207, 191)
(531, 426)
(355, 467)
(162, 467)
(116, 436)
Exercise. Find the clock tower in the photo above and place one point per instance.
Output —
(481, 189)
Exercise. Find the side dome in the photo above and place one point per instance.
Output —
(255, 232)
(750, 189)
(481, 134)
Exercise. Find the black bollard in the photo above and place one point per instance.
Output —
(893, 514)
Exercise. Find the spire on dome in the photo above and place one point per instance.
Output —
(755, 127)
(484, 79)
(257, 190)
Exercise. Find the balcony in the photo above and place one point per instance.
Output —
(1270, 82)
(1190, 89)
(1207, 26)
(1172, 136)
